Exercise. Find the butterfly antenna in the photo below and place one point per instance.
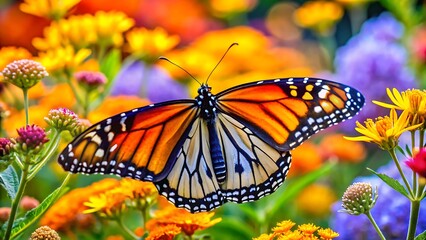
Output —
(233, 44)
(166, 59)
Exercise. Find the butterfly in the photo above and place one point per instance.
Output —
(233, 146)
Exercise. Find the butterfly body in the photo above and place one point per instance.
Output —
(200, 153)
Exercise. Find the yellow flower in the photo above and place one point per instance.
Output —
(316, 200)
(166, 232)
(63, 59)
(108, 204)
(384, 131)
(283, 227)
(150, 44)
(188, 222)
(110, 27)
(226, 7)
(308, 230)
(327, 234)
(295, 235)
(62, 214)
(318, 15)
(412, 100)
(104, 29)
(10, 54)
(264, 236)
(51, 9)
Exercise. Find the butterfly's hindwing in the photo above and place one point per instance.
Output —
(254, 169)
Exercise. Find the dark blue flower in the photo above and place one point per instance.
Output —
(147, 81)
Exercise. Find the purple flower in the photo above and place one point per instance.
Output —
(374, 60)
(30, 138)
(90, 79)
(147, 81)
(391, 212)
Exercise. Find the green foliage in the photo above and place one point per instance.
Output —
(9, 181)
(30, 217)
(421, 236)
(393, 183)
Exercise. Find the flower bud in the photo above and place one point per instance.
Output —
(359, 198)
(82, 125)
(27, 203)
(31, 139)
(62, 119)
(6, 146)
(44, 232)
(24, 73)
(90, 80)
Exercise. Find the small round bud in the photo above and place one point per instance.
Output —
(27, 203)
(45, 232)
(24, 73)
(62, 119)
(359, 198)
(82, 125)
(4, 213)
(90, 80)
(6, 147)
(31, 138)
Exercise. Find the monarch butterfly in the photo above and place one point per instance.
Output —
(200, 153)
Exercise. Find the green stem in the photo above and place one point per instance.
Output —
(15, 203)
(407, 185)
(415, 177)
(73, 89)
(27, 115)
(127, 230)
(414, 216)
(370, 217)
(86, 104)
(52, 149)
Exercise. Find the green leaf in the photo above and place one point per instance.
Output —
(9, 181)
(421, 236)
(295, 187)
(110, 65)
(230, 227)
(393, 183)
(31, 216)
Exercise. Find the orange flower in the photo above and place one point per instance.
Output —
(308, 230)
(283, 227)
(114, 105)
(108, 204)
(166, 232)
(59, 96)
(327, 234)
(135, 189)
(305, 158)
(10, 54)
(226, 7)
(318, 15)
(68, 207)
(316, 200)
(188, 222)
(335, 146)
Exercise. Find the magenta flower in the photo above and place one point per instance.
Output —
(5, 146)
(31, 138)
(418, 162)
(90, 79)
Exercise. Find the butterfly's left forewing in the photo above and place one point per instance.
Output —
(286, 112)
(140, 144)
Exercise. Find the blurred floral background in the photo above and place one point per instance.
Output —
(102, 59)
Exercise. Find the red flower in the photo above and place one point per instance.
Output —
(418, 162)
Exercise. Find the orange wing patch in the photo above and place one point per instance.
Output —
(143, 139)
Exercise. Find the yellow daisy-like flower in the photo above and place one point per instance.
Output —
(384, 131)
(63, 59)
(283, 227)
(104, 29)
(412, 100)
(150, 44)
(188, 222)
(319, 16)
(327, 234)
(308, 230)
(295, 235)
(108, 204)
(51, 9)
(264, 236)
(110, 27)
